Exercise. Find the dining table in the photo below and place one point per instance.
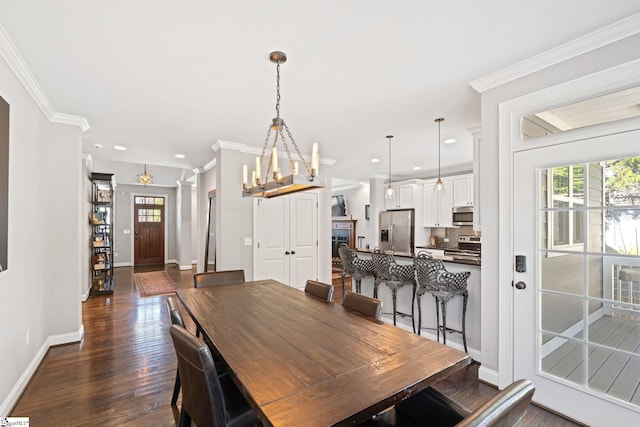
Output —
(302, 361)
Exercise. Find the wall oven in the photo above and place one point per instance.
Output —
(462, 215)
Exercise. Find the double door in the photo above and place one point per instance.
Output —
(287, 239)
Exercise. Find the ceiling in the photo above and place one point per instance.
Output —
(163, 77)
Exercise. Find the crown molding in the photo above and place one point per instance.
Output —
(13, 58)
(604, 36)
(208, 166)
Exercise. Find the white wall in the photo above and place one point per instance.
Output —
(41, 286)
(491, 188)
(356, 199)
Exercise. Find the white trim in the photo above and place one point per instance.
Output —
(488, 375)
(123, 264)
(509, 116)
(85, 295)
(166, 227)
(184, 267)
(13, 58)
(587, 43)
(20, 385)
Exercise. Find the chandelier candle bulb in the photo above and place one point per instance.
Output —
(274, 160)
(245, 176)
(258, 171)
(295, 168)
(253, 178)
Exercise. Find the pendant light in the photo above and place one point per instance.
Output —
(274, 184)
(145, 178)
(439, 183)
(388, 194)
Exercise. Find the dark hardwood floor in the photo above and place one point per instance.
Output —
(122, 373)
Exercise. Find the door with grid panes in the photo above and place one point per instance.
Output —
(148, 246)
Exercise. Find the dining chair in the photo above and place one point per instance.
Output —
(353, 266)
(430, 407)
(319, 289)
(363, 304)
(394, 276)
(207, 399)
(213, 278)
(433, 277)
(176, 319)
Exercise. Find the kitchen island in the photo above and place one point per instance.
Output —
(454, 307)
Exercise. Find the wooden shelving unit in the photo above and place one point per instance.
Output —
(101, 220)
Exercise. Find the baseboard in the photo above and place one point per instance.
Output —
(488, 376)
(17, 389)
(123, 264)
(85, 295)
(185, 267)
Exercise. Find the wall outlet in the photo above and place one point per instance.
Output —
(28, 335)
(248, 241)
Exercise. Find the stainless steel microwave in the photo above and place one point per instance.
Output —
(462, 215)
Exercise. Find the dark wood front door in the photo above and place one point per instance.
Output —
(148, 247)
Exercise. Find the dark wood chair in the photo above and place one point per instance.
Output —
(207, 399)
(176, 319)
(430, 407)
(363, 304)
(214, 278)
(319, 289)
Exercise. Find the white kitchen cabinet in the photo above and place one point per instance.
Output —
(404, 196)
(462, 190)
(438, 204)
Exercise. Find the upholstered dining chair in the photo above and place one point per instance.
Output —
(319, 289)
(176, 319)
(213, 278)
(353, 266)
(363, 304)
(207, 399)
(430, 407)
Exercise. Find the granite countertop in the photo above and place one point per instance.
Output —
(410, 255)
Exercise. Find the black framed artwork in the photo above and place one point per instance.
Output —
(4, 183)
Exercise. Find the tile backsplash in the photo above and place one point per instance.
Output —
(452, 234)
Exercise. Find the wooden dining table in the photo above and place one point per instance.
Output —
(301, 361)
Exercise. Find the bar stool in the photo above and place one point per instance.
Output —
(394, 276)
(434, 278)
(353, 266)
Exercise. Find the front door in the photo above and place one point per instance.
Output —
(576, 293)
(148, 247)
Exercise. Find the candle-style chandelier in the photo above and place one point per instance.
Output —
(274, 184)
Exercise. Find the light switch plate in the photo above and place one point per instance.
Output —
(126, 231)
(248, 241)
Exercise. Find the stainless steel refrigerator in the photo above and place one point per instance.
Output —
(397, 231)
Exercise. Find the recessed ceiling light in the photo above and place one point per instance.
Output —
(417, 168)
(179, 156)
(119, 147)
(97, 146)
(375, 160)
(449, 141)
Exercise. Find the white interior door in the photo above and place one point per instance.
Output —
(287, 239)
(273, 239)
(576, 308)
(303, 239)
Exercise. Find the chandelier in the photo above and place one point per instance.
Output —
(145, 178)
(274, 184)
(439, 183)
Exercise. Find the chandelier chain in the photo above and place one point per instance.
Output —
(278, 90)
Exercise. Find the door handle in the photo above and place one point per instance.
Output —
(520, 285)
(293, 252)
(286, 253)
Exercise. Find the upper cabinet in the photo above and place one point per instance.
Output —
(463, 190)
(406, 195)
(438, 203)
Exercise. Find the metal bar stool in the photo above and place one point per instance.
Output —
(353, 266)
(434, 278)
(394, 276)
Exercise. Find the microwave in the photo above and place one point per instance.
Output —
(462, 215)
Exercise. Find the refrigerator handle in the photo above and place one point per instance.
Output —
(391, 236)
